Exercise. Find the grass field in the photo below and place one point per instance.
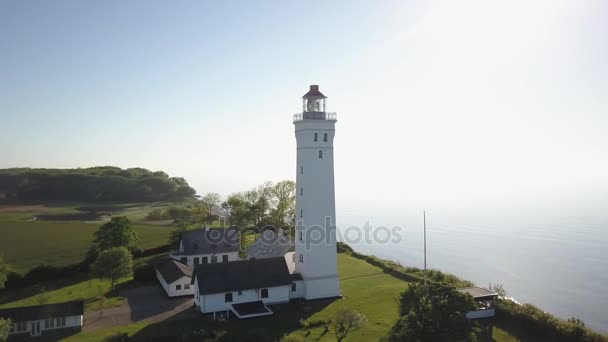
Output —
(26, 243)
(364, 288)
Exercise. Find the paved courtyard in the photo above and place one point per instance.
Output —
(149, 303)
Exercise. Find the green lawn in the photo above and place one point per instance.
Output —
(27, 244)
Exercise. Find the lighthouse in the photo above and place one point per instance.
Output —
(316, 247)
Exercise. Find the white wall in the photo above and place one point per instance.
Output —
(70, 322)
(216, 301)
(300, 290)
(170, 289)
(322, 288)
(315, 203)
(232, 256)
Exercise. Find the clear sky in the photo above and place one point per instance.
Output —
(445, 101)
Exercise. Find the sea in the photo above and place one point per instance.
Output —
(554, 258)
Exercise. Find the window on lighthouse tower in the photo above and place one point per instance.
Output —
(320, 154)
(325, 137)
(316, 137)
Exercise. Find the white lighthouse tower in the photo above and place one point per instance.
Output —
(316, 250)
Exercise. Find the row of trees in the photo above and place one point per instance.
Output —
(267, 204)
(96, 184)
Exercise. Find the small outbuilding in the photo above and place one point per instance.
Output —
(175, 278)
(485, 302)
(45, 319)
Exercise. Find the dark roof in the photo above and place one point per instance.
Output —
(270, 245)
(39, 312)
(478, 292)
(251, 308)
(242, 275)
(295, 276)
(211, 241)
(314, 92)
(173, 270)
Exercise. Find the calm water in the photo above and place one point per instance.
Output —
(555, 260)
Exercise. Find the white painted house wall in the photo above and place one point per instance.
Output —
(216, 301)
(300, 290)
(315, 208)
(189, 259)
(171, 289)
(481, 313)
(70, 322)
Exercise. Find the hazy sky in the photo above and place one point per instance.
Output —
(446, 102)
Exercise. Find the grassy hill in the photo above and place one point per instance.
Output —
(26, 243)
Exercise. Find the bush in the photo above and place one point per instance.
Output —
(344, 248)
(534, 322)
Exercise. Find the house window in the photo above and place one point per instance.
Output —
(197, 260)
(58, 322)
(178, 287)
(228, 297)
(52, 323)
(301, 257)
(264, 293)
(186, 286)
(205, 260)
(240, 292)
(63, 321)
(214, 259)
(46, 324)
(301, 169)
(325, 137)
(12, 328)
(293, 287)
(316, 137)
(20, 326)
(225, 258)
(320, 154)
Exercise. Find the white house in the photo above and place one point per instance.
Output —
(46, 319)
(203, 246)
(485, 302)
(175, 278)
(316, 245)
(244, 288)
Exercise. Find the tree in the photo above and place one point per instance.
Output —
(283, 213)
(113, 264)
(5, 324)
(433, 312)
(5, 269)
(237, 210)
(499, 290)
(119, 232)
(211, 202)
(5, 327)
(346, 320)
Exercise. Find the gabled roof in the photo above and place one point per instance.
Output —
(269, 245)
(211, 241)
(39, 312)
(241, 275)
(173, 270)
